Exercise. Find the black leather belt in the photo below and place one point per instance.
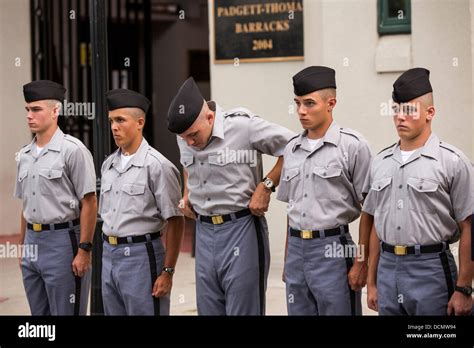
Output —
(311, 234)
(47, 227)
(220, 219)
(113, 240)
(404, 250)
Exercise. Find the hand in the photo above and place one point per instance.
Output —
(358, 275)
(81, 263)
(372, 299)
(187, 208)
(460, 304)
(260, 200)
(162, 285)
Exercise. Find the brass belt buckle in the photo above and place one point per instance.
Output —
(306, 234)
(217, 219)
(37, 227)
(400, 250)
(113, 240)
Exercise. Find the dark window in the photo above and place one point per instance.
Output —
(394, 16)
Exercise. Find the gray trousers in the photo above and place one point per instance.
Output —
(415, 284)
(51, 287)
(316, 281)
(232, 263)
(129, 272)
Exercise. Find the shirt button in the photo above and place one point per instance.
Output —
(116, 192)
(326, 173)
(34, 193)
(398, 227)
(185, 162)
(34, 210)
(202, 163)
(115, 210)
(400, 186)
(306, 195)
(287, 177)
(33, 176)
(307, 176)
(304, 214)
(112, 228)
(49, 175)
(205, 181)
(208, 199)
(420, 187)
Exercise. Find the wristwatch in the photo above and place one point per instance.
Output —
(268, 183)
(169, 270)
(85, 246)
(466, 290)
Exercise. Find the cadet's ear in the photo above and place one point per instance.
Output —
(331, 103)
(430, 113)
(141, 123)
(56, 110)
(210, 116)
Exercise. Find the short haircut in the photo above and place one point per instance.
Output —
(327, 93)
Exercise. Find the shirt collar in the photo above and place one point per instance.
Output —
(430, 149)
(138, 160)
(218, 127)
(333, 135)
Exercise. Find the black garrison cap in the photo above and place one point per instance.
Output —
(314, 78)
(43, 90)
(411, 84)
(125, 98)
(185, 107)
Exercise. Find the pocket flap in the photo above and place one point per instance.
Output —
(22, 175)
(133, 189)
(187, 160)
(219, 160)
(422, 185)
(105, 188)
(49, 173)
(327, 172)
(380, 184)
(291, 173)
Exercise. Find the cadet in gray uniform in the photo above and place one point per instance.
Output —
(322, 179)
(221, 155)
(139, 200)
(56, 181)
(419, 192)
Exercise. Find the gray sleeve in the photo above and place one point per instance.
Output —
(82, 171)
(268, 138)
(370, 200)
(461, 190)
(166, 186)
(282, 190)
(18, 193)
(360, 168)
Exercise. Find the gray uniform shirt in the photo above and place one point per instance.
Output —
(323, 187)
(422, 200)
(139, 198)
(52, 183)
(223, 176)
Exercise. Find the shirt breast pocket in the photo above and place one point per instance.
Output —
(422, 194)
(104, 199)
(222, 169)
(290, 179)
(22, 179)
(382, 188)
(327, 183)
(50, 182)
(132, 198)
